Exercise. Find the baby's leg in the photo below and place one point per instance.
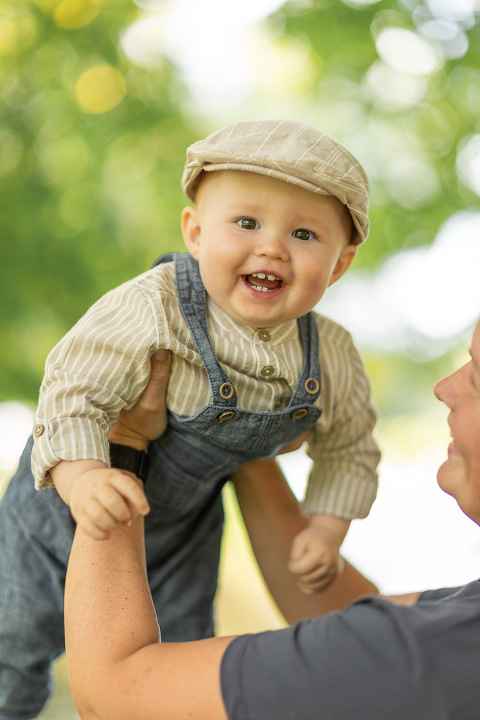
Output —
(36, 532)
(182, 564)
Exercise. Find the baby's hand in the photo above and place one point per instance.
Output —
(102, 499)
(314, 559)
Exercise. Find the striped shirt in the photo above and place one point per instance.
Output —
(103, 364)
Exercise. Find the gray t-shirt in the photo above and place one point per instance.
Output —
(374, 661)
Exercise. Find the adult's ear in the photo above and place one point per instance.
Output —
(191, 229)
(343, 263)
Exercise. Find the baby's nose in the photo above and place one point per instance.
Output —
(273, 246)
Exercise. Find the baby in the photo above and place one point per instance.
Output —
(279, 211)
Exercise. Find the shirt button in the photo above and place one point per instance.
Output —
(39, 430)
(267, 371)
(264, 335)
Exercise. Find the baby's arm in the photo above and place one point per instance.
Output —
(315, 558)
(273, 519)
(100, 498)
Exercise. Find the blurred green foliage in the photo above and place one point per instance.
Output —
(89, 172)
(86, 200)
(409, 147)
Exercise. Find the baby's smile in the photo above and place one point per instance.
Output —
(268, 284)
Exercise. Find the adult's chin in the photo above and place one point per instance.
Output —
(446, 476)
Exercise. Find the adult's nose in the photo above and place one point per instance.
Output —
(446, 390)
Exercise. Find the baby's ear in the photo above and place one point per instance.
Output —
(343, 263)
(190, 224)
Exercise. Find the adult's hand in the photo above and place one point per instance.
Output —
(147, 419)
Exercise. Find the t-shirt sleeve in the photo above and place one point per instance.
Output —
(440, 594)
(343, 479)
(376, 660)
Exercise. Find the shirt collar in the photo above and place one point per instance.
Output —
(284, 332)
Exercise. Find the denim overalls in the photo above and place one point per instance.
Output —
(189, 465)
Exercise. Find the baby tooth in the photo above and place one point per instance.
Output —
(262, 276)
(260, 288)
(271, 277)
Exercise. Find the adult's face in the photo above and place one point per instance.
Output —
(459, 475)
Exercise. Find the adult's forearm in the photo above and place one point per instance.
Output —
(404, 599)
(118, 670)
(109, 614)
(272, 518)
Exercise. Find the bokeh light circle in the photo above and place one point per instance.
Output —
(100, 89)
(75, 14)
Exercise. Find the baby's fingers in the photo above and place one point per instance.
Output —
(109, 508)
(132, 495)
(96, 521)
(316, 574)
(299, 548)
(318, 579)
(304, 564)
(308, 589)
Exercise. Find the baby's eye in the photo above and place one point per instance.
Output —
(247, 223)
(302, 234)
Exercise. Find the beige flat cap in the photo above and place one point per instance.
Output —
(286, 150)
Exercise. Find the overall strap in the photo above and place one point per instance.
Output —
(166, 257)
(309, 384)
(193, 304)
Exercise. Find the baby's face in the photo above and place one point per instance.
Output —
(267, 249)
